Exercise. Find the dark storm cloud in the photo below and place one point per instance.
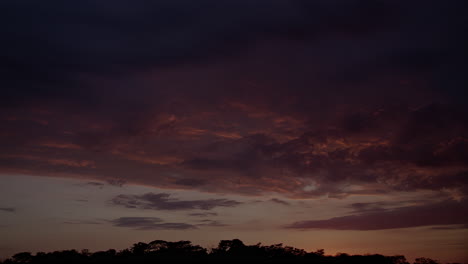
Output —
(107, 36)
(301, 98)
(52, 45)
(444, 213)
(60, 43)
(149, 223)
(163, 201)
(8, 209)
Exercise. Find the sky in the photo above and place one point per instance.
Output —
(318, 124)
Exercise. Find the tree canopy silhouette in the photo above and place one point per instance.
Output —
(227, 251)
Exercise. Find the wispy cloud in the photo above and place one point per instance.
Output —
(203, 214)
(96, 184)
(163, 201)
(8, 209)
(83, 222)
(212, 223)
(149, 223)
(279, 201)
(445, 213)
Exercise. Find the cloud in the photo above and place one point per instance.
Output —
(309, 164)
(212, 223)
(368, 207)
(444, 213)
(298, 98)
(140, 35)
(149, 223)
(450, 227)
(8, 209)
(190, 182)
(83, 222)
(279, 201)
(162, 201)
(97, 184)
(360, 208)
(204, 214)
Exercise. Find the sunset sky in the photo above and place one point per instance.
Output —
(329, 124)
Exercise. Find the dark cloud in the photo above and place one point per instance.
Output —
(163, 201)
(110, 181)
(301, 98)
(369, 207)
(124, 34)
(444, 213)
(8, 209)
(279, 201)
(116, 182)
(450, 227)
(97, 184)
(149, 223)
(212, 223)
(190, 182)
(204, 214)
(115, 37)
(360, 208)
(83, 222)
(430, 136)
(356, 155)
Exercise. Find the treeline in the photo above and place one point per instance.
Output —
(228, 251)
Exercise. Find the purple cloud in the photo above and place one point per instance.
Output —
(149, 223)
(212, 223)
(163, 201)
(444, 213)
(334, 93)
(203, 214)
(279, 201)
(8, 209)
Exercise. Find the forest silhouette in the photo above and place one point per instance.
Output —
(227, 251)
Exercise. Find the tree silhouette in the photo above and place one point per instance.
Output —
(227, 251)
(23, 257)
(425, 261)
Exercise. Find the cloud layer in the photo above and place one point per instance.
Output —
(149, 223)
(444, 213)
(298, 98)
(163, 201)
(8, 209)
